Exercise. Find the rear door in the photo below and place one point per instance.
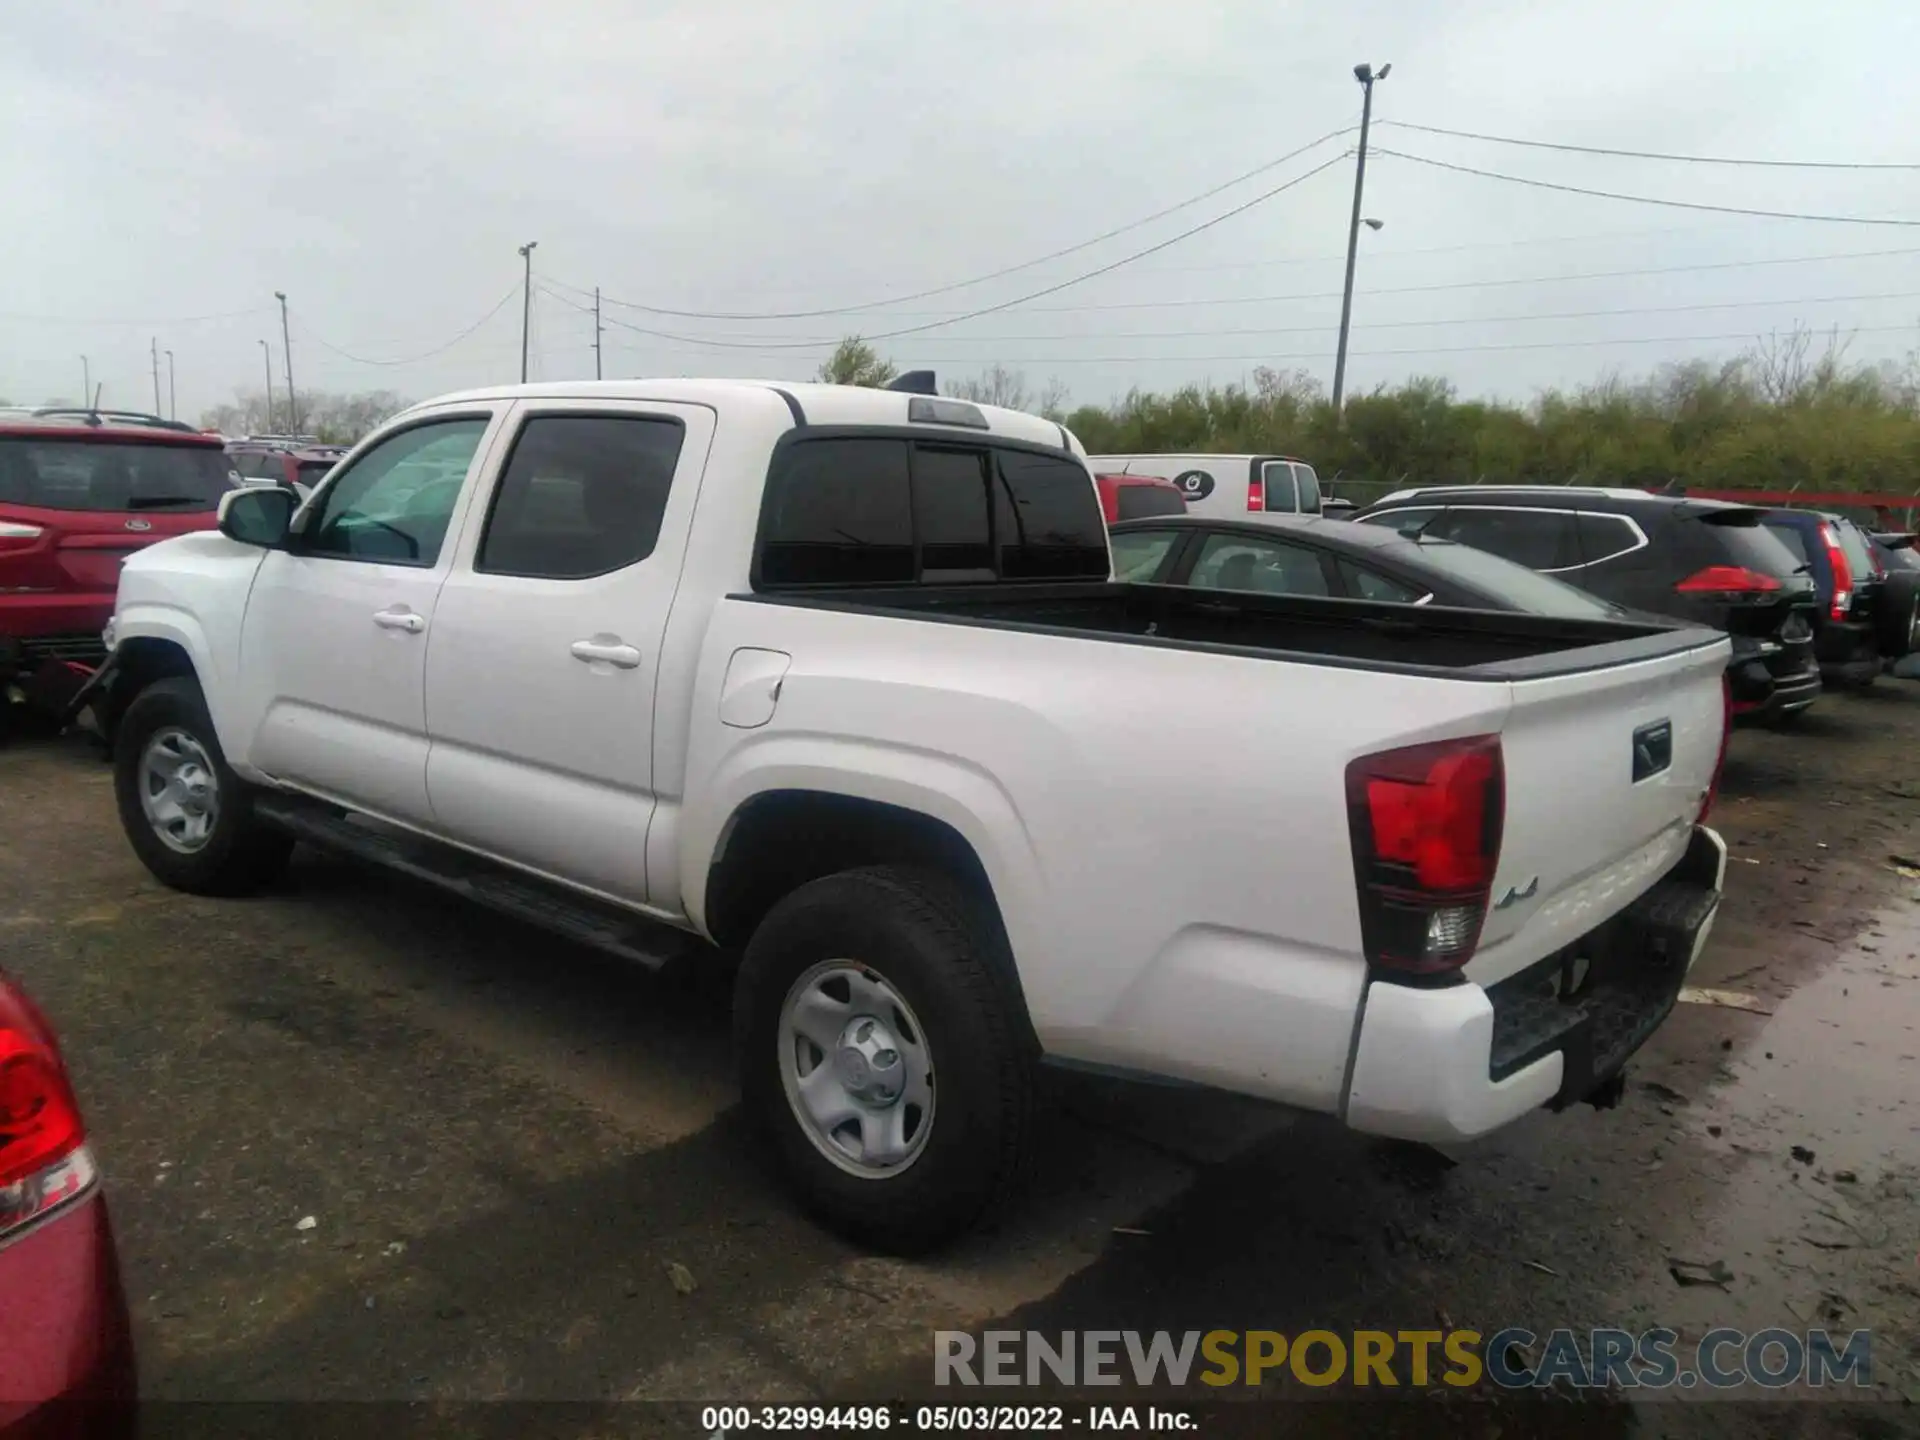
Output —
(546, 643)
(1606, 772)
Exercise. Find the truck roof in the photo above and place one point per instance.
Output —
(810, 403)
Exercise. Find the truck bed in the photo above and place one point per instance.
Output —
(1465, 644)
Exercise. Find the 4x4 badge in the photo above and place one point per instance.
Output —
(139, 524)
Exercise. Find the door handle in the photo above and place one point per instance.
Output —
(611, 651)
(400, 620)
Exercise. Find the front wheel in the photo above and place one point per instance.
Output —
(187, 815)
(882, 1057)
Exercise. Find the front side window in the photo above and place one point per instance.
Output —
(582, 495)
(1139, 554)
(394, 505)
(1235, 562)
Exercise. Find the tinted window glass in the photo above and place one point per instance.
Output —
(105, 475)
(394, 505)
(1605, 537)
(1372, 585)
(1138, 554)
(1146, 502)
(582, 495)
(1277, 487)
(1519, 587)
(1859, 557)
(312, 472)
(1755, 547)
(1404, 522)
(1237, 562)
(1309, 487)
(950, 512)
(839, 512)
(1537, 539)
(1790, 536)
(1047, 519)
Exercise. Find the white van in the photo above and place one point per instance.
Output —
(1226, 487)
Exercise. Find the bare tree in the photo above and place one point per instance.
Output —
(997, 385)
(1779, 365)
(336, 419)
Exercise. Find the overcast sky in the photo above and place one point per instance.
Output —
(168, 166)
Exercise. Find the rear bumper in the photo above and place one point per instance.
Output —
(49, 616)
(1849, 652)
(67, 1366)
(1460, 1061)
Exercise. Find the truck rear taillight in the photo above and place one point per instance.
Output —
(1842, 573)
(44, 1161)
(1425, 825)
(1720, 760)
(1727, 580)
(1256, 494)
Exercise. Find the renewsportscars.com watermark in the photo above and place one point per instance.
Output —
(1514, 1359)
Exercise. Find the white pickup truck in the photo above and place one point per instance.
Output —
(838, 681)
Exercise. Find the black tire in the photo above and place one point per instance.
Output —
(919, 932)
(1898, 606)
(240, 854)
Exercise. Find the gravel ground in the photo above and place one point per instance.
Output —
(510, 1148)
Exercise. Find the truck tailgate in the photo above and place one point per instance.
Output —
(1605, 775)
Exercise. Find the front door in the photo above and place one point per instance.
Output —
(540, 681)
(334, 642)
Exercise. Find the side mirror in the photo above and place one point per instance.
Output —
(258, 515)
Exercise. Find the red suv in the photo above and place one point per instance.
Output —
(292, 467)
(80, 490)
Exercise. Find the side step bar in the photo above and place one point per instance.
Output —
(525, 897)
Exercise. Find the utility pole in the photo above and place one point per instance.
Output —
(86, 382)
(173, 396)
(266, 356)
(286, 340)
(156, 374)
(596, 332)
(1364, 74)
(526, 306)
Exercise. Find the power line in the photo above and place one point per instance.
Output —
(1645, 199)
(1269, 357)
(498, 305)
(1410, 324)
(1656, 154)
(1187, 203)
(147, 320)
(1052, 289)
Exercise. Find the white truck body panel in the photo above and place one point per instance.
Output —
(1165, 829)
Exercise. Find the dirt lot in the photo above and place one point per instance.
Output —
(504, 1143)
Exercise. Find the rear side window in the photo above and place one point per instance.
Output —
(1537, 539)
(1268, 567)
(1606, 537)
(1854, 544)
(838, 512)
(1147, 502)
(1372, 585)
(107, 476)
(861, 510)
(582, 495)
(1138, 554)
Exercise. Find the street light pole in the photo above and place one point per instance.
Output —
(86, 383)
(156, 374)
(1364, 74)
(286, 340)
(173, 395)
(598, 330)
(266, 357)
(526, 306)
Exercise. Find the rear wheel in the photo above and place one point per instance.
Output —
(187, 815)
(882, 1059)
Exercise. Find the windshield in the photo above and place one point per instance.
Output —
(108, 475)
(1520, 587)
